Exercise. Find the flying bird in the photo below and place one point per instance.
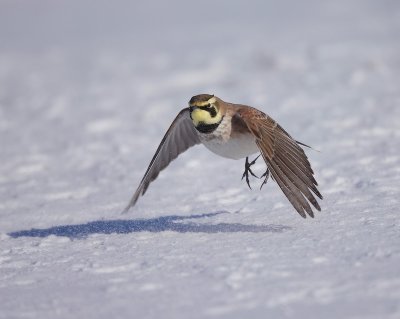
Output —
(237, 131)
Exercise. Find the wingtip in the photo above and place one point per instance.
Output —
(308, 146)
(125, 210)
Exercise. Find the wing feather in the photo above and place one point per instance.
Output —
(180, 136)
(286, 160)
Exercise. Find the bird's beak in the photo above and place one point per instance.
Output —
(191, 109)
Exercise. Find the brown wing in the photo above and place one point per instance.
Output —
(180, 136)
(285, 159)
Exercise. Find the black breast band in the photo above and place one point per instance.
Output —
(207, 128)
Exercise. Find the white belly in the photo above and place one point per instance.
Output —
(233, 148)
(222, 144)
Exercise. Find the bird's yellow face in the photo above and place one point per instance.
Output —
(204, 112)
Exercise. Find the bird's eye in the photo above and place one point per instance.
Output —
(205, 107)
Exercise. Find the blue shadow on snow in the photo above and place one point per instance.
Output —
(159, 224)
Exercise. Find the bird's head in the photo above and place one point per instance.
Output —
(205, 110)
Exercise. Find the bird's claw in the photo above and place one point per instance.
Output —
(248, 170)
(266, 175)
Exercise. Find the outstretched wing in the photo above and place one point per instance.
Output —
(180, 136)
(285, 159)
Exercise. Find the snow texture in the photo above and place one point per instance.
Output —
(88, 88)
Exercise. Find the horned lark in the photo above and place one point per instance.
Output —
(236, 131)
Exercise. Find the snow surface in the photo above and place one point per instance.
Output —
(88, 88)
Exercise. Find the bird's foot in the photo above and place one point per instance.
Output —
(248, 170)
(266, 175)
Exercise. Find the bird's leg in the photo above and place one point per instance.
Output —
(247, 169)
(266, 175)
